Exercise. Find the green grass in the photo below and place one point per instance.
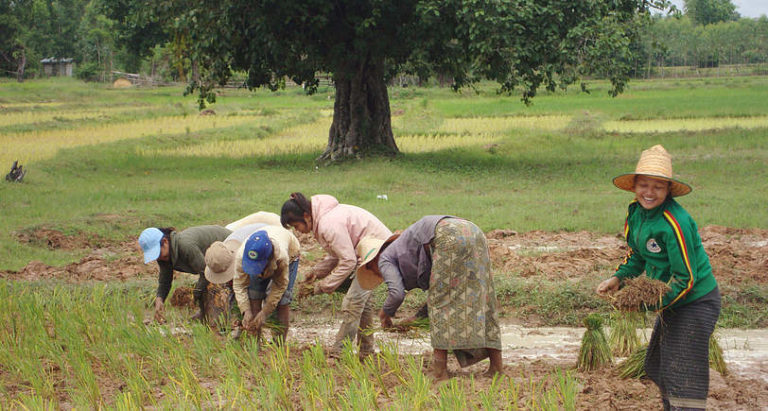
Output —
(531, 178)
(85, 347)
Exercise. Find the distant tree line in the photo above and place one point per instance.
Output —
(100, 39)
(31, 30)
(670, 41)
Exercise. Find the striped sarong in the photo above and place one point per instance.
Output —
(677, 359)
(461, 299)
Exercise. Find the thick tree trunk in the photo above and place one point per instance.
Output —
(361, 117)
(21, 66)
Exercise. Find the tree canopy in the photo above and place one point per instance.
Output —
(521, 44)
(705, 12)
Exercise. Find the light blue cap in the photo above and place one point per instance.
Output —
(149, 240)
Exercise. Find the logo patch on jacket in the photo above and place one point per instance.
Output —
(653, 246)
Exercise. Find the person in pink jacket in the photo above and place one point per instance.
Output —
(338, 228)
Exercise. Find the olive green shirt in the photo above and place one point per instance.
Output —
(187, 253)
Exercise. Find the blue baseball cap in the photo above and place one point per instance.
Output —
(256, 253)
(149, 240)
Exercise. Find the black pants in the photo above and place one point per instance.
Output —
(201, 288)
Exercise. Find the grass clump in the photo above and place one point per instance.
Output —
(585, 124)
(623, 337)
(634, 365)
(716, 360)
(594, 352)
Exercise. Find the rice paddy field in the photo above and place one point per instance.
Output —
(102, 164)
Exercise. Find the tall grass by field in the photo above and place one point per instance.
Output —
(482, 156)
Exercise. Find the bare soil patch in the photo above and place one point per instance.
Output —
(55, 239)
(738, 256)
(182, 297)
(117, 261)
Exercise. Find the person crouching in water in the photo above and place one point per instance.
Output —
(449, 257)
(267, 258)
(664, 242)
(181, 251)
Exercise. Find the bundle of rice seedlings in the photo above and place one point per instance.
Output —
(639, 293)
(716, 360)
(594, 352)
(406, 326)
(623, 337)
(634, 365)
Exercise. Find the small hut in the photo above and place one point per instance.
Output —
(57, 67)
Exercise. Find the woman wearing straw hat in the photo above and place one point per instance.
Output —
(449, 257)
(664, 242)
(338, 228)
(181, 251)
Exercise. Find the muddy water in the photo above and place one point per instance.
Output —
(745, 351)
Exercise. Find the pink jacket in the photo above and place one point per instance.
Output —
(338, 228)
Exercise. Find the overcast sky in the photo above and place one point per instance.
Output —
(746, 8)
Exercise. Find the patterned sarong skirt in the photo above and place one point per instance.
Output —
(461, 299)
(677, 359)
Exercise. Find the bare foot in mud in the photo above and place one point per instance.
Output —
(493, 372)
(438, 375)
(159, 316)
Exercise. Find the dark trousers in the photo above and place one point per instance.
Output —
(677, 359)
(201, 288)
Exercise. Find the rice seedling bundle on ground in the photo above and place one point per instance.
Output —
(406, 326)
(639, 293)
(594, 352)
(634, 365)
(623, 338)
(716, 359)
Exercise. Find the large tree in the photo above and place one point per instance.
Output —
(705, 12)
(14, 16)
(521, 44)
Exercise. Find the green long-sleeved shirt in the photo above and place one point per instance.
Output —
(664, 242)
(187, 253)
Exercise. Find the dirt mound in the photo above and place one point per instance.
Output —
(605, 390)
(738, 256)
(55, 239)
(500, 234)
(556, 256)
(119, 262)
(183, 297)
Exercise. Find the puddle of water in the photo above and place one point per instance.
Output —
(745, 351)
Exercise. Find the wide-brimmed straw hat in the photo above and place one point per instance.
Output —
(368, 248)
(220, 262)
(657, 163)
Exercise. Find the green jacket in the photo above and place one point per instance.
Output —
(187, 253)
(664, 242)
